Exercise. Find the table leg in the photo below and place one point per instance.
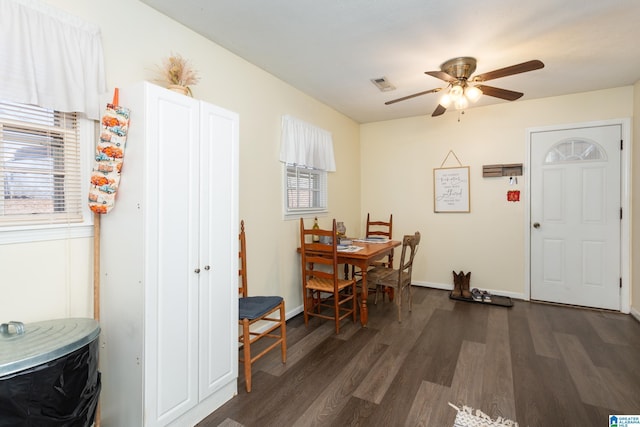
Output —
(364, 311)
(390, 292)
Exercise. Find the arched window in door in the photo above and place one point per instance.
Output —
(575, 150)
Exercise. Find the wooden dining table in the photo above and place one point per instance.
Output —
(362, 259)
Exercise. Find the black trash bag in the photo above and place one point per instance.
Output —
(62, 392)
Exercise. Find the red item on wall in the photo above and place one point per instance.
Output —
(513, 195)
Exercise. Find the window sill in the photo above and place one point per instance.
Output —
(41, 234)
(304, 214)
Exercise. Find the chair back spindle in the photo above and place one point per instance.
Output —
(242, 262)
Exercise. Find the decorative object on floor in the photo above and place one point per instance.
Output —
(467, 417)
(177, 74)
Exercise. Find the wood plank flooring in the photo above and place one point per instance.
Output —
(538, 364)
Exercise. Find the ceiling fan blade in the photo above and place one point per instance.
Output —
(509, 71)
(496, 92)
(442, 76)
(438, 111)
(393, 101)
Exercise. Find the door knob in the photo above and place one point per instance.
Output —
(206, 267)
(536, 225)
(197, 270)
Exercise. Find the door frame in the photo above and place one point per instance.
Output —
(625, 202)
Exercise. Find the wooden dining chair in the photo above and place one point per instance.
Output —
(381, 229)
(325, 294)
(398, 279)
(258, 309)
(378, 229)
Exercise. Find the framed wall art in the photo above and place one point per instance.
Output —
(451, 189)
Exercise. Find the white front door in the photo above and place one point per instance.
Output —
(575, 216)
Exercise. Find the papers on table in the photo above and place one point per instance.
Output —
(373, 240)
(350, 248)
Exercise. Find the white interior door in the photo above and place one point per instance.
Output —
(575, 216)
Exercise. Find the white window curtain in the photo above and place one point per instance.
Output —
(49, 58)
(306, 145)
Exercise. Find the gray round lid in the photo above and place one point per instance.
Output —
(23, 346)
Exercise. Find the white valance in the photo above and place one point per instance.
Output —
(49, 58)
(306, 145)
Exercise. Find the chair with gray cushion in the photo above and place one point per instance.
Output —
(255, 309)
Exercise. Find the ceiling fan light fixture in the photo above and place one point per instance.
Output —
(473, 93)
(446, 100)
(456, 91)
(461, 103)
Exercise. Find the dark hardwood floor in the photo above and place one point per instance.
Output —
(537, 364)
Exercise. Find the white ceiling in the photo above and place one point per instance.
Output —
(331, 49)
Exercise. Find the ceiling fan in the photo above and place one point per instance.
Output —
(464, 88)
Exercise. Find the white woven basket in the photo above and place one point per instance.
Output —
(467, 418)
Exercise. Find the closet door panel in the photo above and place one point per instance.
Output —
(172, 248)
(218, 248)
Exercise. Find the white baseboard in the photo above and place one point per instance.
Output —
(448, 287)
(514, 295)
(293, 313)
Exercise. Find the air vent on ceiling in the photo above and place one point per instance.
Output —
(383, 84)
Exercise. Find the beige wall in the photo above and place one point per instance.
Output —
(382, 167)
(48, 280)
(398, 158)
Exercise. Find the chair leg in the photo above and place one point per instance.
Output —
(354, 302)
(306, 302)
(399, 298)
(336, 310)
(246, 336)
(283, 333)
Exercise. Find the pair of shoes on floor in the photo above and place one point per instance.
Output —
(480, 296)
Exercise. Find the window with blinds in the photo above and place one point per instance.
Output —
(306, 190)
(40, 171)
